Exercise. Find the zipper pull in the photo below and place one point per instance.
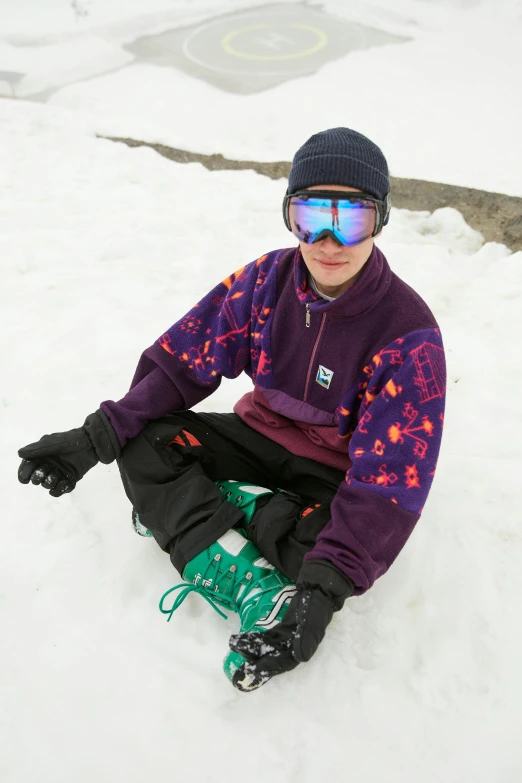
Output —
(307, 315)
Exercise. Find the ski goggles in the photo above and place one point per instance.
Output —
(349, 218)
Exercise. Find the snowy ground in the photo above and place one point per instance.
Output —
(102, 249)
(418, 679)
(445, 106)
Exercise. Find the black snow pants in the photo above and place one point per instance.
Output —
(169, 469)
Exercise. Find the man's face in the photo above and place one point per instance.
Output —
(335, 267)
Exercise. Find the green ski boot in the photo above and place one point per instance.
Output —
(232, 574)
(140, 529)
(243, 495)
(223, 573)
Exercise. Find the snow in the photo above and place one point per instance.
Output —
(445, 105)
(103, 247)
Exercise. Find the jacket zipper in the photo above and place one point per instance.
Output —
(314, 349)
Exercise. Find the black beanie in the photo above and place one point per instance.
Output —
(340, 156)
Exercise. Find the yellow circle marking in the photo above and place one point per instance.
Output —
(322, 40)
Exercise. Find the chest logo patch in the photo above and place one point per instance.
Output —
(324, 376)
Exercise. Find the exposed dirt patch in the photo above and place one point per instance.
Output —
(496, 216)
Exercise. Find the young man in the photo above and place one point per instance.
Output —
(307, 493)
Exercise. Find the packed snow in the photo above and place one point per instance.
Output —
(103, 248)
(445, 105)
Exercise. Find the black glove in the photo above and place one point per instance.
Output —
(321, 590)
(59, 460)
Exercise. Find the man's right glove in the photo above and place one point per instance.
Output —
(60, 460)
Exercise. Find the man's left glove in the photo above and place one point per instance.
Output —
(321, 590)
(60, 460)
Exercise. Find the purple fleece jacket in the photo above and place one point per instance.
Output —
(357, 384)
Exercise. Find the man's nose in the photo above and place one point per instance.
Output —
(331, 245)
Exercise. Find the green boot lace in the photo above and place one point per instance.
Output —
(218, 587)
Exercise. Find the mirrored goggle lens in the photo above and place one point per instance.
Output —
(350, 222)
